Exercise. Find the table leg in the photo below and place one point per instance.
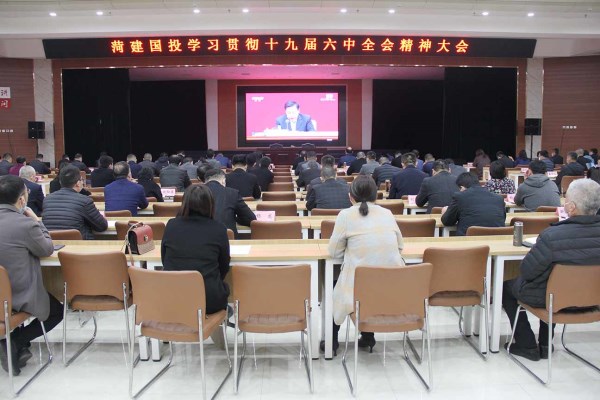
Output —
(497, 306)
(314, 303)
(154, 343)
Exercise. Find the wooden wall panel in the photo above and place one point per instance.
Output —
(18, 75)
(571, 97)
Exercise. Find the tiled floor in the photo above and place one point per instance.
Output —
(100, 373)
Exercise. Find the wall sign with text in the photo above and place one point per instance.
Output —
(119, 47)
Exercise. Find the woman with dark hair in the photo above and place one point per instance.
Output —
(194, 241)
(499, 183)
(522, 158)
(364, 234)
(151, 188)
(481, 160)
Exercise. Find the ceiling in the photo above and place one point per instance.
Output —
(563, 28)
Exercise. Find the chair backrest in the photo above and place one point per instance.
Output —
(94, 274)
(325, 211)
(436, 210)
(489, 231)
(397, 208)
(279, 196)
(348, 179)
(574, 286)
(327, 226)
(168, 296)
(66, 234)
(271, 290)
(151, 199)
(95, 189)
(379, 195)
(275, 230)
(399, 290)
(158, 229)
(165, 210)
(282, 179)
(156, 179)
(457, 269)
(282, 173)
(117, 213)
(281, 187)
(534, 225)
(417, 227)
(248, 198)
(5, 296)
(287, 209)
(230, 234)
(97, 197)
(566, 182)
(546, 209)
(178, 197)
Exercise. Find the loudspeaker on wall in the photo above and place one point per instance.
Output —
(533, 126)
(36, 130)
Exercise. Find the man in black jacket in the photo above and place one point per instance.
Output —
(103, 175)
(239, 179)
(329, 194)
(437, 191)
(574, 241)
(39, 165)
(408, 181)
(68, 209)
(572, 168)
(473, 206)
(263, 175)
(173, 176)
(78, 162)
(230, 209)
(6, 163)
(356, 165)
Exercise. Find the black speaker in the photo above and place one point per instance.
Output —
(533, 126)
(36, 130)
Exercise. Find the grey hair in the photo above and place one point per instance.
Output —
(360, 154)
(585, 193)
(26, 172)
(383, 160)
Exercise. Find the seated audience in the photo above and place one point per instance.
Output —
(347, 158)
(134, 167)
(311, 155)
(385, 171)
(428, 163)
(312, 170)
(594, 155)
(571, 168)
(151, 188)
(574, 241)
(23, 241)
(172, 176)
(78, 162)
(123, 194)
(408, 181)
(207, 253)
(161, 162)
(537, 189)
(437, 191)
(455, 170)
(522, 158)
(298, 160)
(543, 157)
(505, 160)
(397, 160)
(239, 179)
(68, 209)
(330, 193)
(356, 165)
(14, 170)
(370, 165)
(263, 174)
(581, 159)
(39, 165)
(5, 164)
(103, 175)
(189, 167)
(357, 232)
(148, 163)
(36, 194)
(556, 157)
(55, 183)
(210, 159)
(224, 161)
(499, 183)
(481, 160)
(473, 206)
(230, 208)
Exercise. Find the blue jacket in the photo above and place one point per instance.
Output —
(123, 194)
(134, 168)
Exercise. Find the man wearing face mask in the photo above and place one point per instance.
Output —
(22, 243)
(574, 241)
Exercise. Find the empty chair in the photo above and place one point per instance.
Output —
(165, 210)
(275, 230)
(9, 321)
(288, 209)
(272, 300)
(117, 213)
(489, 231)
(158, 228)
(436, 210)
(325, 211)
(327, 226)
(281, 187)
(94, 282)
(282, 173)
(459, 280)
(566, 182)
(66, 234)
(178, 197)
(534, 225)
(572, 297)
(397, 208)
(283, 179)
(170, 306)
(279, 196)
(546, 209)
(400, 304)
(424, 227)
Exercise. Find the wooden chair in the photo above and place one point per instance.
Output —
(546, 209)
(489, 231)
(327, 226)
(158, 228)
(534, 225)
(66, 234)
(397, 208)
(151, 199)
(287, 209)
(565, 182)
(379, 195)
(348, 179)
(325, 211)
(171, 306)
(178, 198)
(96, 189)
(400, 304)
(230, 234)
(417, 227)
(572, 297)
(165, 209)
(279, 196)
(436, 210)
(283, 179)
(275, 230)
(156, 179)
(281, 187)
(272, 300)
(93, 282)
(97, 198)
(117, 213)
(9, 321)
(248, 198)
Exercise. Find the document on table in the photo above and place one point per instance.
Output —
(239, 250)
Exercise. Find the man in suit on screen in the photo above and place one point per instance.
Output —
(292, 120)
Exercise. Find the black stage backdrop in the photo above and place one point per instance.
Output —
(167, 116)
(104, 111)
(471, 108)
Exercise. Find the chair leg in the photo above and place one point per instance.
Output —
(467, 339)
(344, 356)
(571, 352)
(308, 352)
(201, 344)
(407, 358)
(237, 365)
